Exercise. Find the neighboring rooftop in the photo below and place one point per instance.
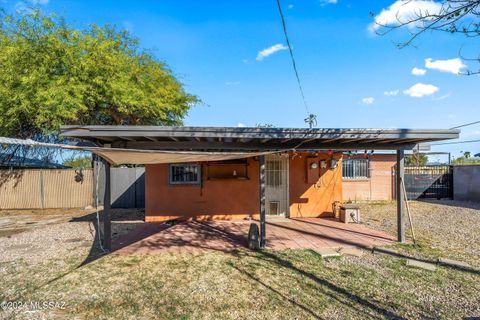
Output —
(27, 163)
(234, 138)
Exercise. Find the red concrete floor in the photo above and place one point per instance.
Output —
(197, 236)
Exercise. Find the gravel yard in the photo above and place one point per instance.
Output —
(34, 236)
(443, 228)
(52, 260)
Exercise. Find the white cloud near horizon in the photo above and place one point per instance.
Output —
(420, 90)
(391, 93)
(232, 83)
(402, 11)
(453, 66)
(269, 51)
(241, 125)
(368, 100)
(327, 2)
(418, 71)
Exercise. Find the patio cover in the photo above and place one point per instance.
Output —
(129, 156)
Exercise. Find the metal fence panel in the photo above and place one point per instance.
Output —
(429, 182)
(45, 188)
(128, 187)
(68, 188)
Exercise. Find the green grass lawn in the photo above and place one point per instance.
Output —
(244, 284)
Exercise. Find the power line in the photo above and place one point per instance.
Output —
(458, 142)
(464, 125)
(311, 118)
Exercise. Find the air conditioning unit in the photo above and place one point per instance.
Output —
(350, 213)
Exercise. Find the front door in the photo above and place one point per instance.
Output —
(276, 190)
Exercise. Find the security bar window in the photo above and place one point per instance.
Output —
(355, 169)
(184, 174)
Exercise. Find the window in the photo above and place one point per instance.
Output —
(184, 174)
(355, 169)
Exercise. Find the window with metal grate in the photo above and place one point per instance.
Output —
(355, 169)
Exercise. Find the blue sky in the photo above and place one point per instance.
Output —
(346, 69)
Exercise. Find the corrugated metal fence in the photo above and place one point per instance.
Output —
(45, 188)
(69, 188)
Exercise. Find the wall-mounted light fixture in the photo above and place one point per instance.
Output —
(313, 165)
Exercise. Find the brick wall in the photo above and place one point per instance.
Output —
(380, 184)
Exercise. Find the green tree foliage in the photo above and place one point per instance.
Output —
(466, 159)
(79, 162)
(53, 74)
(416, 159)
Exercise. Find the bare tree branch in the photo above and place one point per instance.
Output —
(453, 16)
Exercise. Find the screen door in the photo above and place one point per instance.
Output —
(276, 189)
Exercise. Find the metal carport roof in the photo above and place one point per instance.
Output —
(254, 139)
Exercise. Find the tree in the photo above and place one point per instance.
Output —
(53, 74)
(81, 162)
(450, 16)
(416, 159)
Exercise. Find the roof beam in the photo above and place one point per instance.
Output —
(214, 145)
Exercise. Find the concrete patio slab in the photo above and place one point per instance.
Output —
(199, 236)
(454, 263)
(421, 265)
(327, 253)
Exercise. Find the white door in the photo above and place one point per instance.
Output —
(276, 190)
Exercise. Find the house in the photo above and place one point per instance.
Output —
(7, 161)
(237, 173)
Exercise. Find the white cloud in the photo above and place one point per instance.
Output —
(404, 10)
(269, 51)
(232, 83)
(452, 115)
(420, 90)
(418, 71)
(40, 1)
(368, 100)
(391, 93)
(241, 125)
(451, 65)
(327, 2)
(290, 6)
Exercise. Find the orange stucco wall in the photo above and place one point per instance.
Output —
(314, 200)
(238, 199)
(215, 199)
(379, 186)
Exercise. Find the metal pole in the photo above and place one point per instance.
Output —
(107, 228)
(262, 202)
(400, 196)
